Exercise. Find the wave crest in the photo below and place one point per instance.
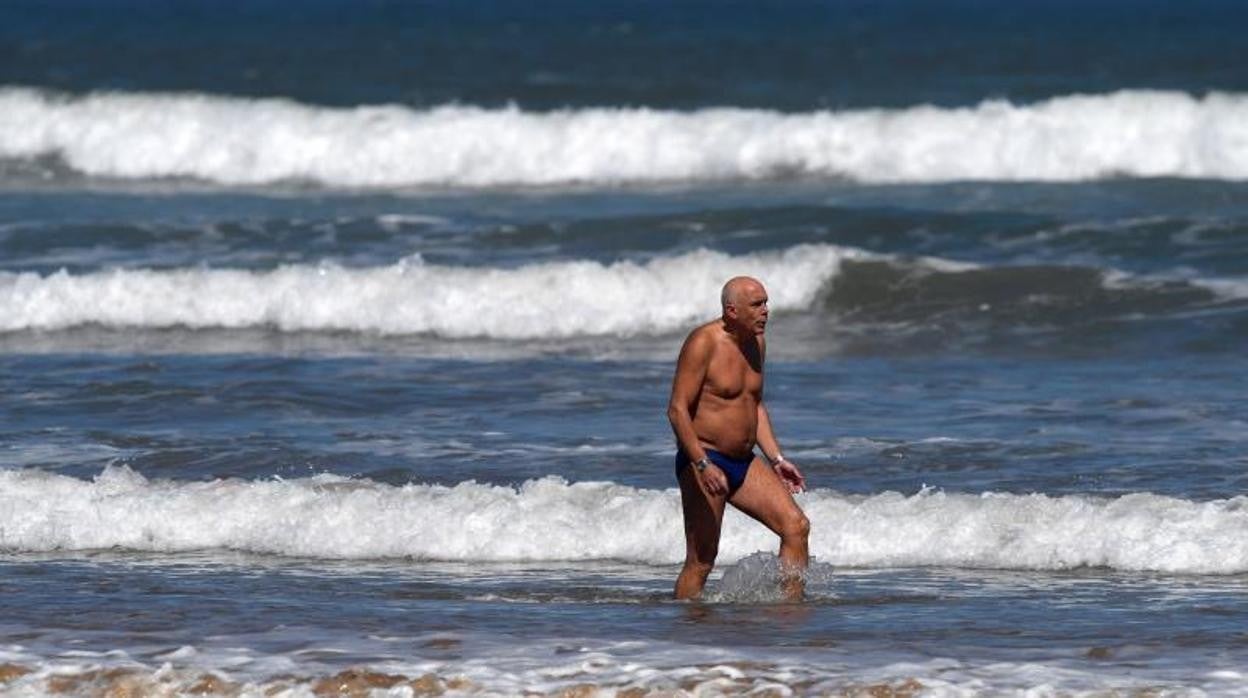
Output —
(550, 300)
(234, 141)
(551, 520)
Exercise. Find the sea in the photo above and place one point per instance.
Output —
(336, 340)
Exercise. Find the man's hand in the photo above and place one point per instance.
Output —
(714, 480)
(791, 476)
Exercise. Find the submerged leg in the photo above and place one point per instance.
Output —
(765, 497)
(704, 515)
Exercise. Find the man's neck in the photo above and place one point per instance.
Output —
(740, 335)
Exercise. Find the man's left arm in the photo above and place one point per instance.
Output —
(766, 438)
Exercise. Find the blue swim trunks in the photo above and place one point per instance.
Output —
(734, 468)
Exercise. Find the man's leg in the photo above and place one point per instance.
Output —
(704, 515)
(766, 498)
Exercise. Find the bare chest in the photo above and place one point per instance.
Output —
(733, 374)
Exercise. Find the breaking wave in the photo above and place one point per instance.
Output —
(549, 300)
(549, 519)
(560, 300)
(248, 142)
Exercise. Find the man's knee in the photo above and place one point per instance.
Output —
(795, 527)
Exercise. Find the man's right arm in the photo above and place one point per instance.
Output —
(691, 368)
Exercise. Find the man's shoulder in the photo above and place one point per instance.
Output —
(703, 338)
(707, 332)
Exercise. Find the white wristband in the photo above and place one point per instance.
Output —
(777, 460)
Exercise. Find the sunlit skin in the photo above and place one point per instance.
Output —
(717, 403)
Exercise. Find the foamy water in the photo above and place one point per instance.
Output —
(234, 141)
(553, 299)
(593, 666)
(545, 300)
(600, 668)
(550, 519)
(334, 348)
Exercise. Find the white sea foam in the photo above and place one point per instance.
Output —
(1227, 288)
(508, 665)
(549, 300)
(237, 141)
(549, 519)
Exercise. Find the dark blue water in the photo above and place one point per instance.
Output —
(795, 56)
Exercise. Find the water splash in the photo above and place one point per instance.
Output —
(759, 578)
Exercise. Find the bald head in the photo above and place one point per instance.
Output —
(745, 306)
(737, 289)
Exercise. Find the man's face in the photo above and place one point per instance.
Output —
(751, 309)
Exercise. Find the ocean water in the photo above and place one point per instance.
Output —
(336, 339)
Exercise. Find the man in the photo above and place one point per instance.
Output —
(718, 416)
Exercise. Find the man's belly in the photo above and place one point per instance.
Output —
(731, 432)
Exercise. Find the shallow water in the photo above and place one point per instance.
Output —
(358, 382)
